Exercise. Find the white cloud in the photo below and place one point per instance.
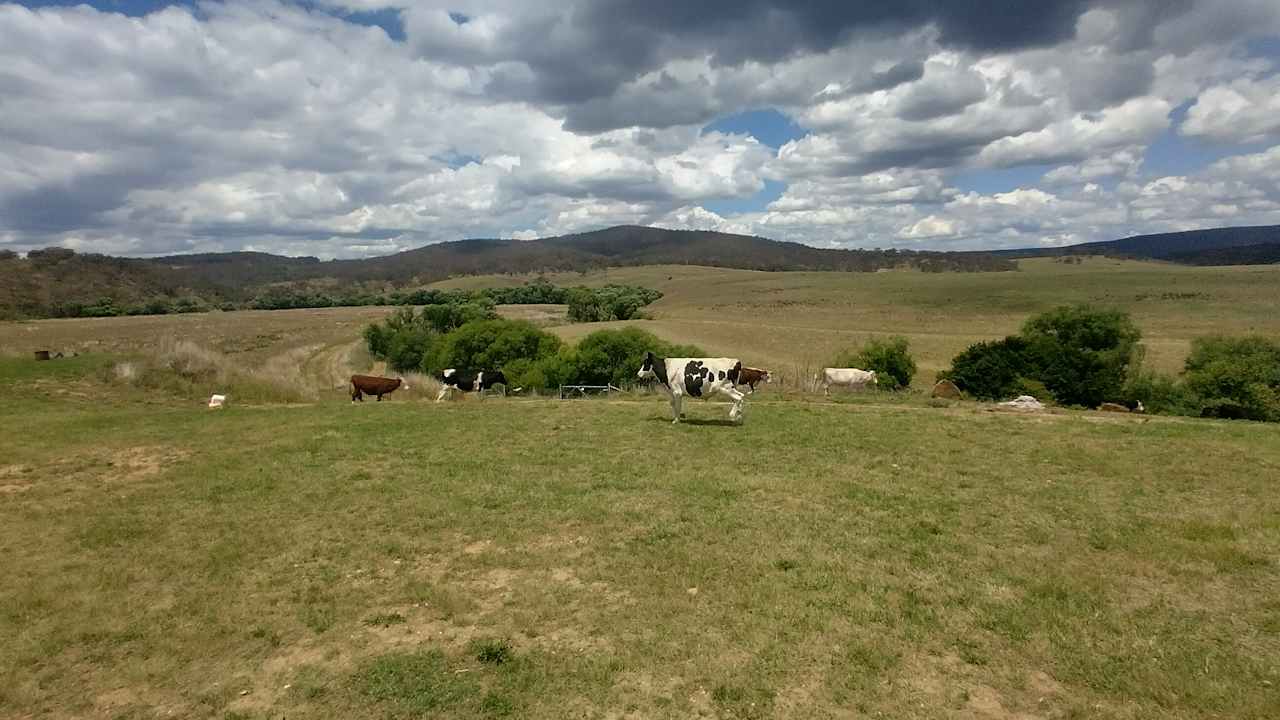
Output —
(257, 123)
(1244, 111)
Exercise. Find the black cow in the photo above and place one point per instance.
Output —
(470, 381)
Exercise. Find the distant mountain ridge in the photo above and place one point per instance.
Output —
(59, 282)
(1214, 246)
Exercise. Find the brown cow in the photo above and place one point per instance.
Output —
(362, 385)
(750, 376)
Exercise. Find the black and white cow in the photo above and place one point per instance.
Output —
(453, 379)
(695, 377)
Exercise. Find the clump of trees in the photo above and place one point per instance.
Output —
(889, 357)
(1085, 356)
(611, 302)
(469, 335)
(1075, 355)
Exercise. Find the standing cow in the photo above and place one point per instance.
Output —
(362, 385)
(852, 378)
(453, 379)
(695, 377)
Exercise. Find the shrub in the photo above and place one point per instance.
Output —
(890, 358)
(1082, 353)
(992, 370)
(1235, 377)
(613, 356)
(406, 338)
(1159, 394)
(611, 302)
(490, 344)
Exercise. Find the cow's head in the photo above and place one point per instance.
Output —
(874, 379)
(448, 373)
(766, 376)
(403, 384)
(653, 368)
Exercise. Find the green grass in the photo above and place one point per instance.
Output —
(538, 559)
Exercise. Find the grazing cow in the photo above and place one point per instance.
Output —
(695, 377)
(362, 385)
(750, 376)
(852, 378)
(467, 381)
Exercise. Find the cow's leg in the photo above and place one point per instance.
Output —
(444, 390)
(379, 397)
(355, 394)
(735, 412)
(675, 406)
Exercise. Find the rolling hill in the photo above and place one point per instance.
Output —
(59, 282)
(1193, 247)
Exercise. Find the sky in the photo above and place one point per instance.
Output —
(351, 128)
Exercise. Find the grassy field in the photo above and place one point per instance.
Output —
(796, 322)
(792, 323)
(880, 556)
(588, 560)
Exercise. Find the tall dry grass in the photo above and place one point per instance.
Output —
(188, 370)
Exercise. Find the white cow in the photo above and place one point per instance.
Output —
(695, 377)
(852, 378)
(217, 401)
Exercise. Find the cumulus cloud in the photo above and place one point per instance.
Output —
(301, 128)
(1243, 111)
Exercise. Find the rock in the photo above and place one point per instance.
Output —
(1023, 403)
(1113, 407)
(945, 389)
(217, 401)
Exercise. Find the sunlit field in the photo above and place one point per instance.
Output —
(876, 555)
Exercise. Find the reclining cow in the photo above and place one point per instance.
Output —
(695, 377)
(750, 376)
(453, 380)
(362, 385)
(852, 378)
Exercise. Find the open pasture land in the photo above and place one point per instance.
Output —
(542, 559)
(790, 322)
(797, 321)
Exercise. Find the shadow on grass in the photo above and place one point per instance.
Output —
(700, 422)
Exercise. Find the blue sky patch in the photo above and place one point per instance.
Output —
(770, 127)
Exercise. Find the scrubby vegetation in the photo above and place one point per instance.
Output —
(1076, 355)
(1084, 356)
(889, 357)
(1235, 377)
(468, 335)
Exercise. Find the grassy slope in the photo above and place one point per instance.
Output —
(796, 322)
(823, 560)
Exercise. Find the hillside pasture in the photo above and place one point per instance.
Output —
(791, 322)
(797, 321)
(823, 560)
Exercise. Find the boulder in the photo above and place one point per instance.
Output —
(1023, 403)
(945, 389)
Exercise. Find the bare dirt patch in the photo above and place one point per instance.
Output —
(141, 462)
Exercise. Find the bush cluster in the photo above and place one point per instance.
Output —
(1085, 356)
(1074, 355)
(611, 302)
(469, 335)
(890, 358)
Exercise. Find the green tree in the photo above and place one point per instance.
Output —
(890, 358)
(1236, 377)
(1082, 353)
(993, 370)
